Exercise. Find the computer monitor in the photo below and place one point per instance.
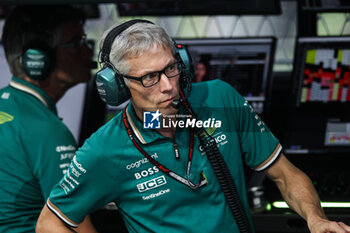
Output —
(245, 63)
(319, 119)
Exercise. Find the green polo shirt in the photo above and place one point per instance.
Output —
(35, 151)
(109, 168)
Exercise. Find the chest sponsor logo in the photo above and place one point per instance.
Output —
(151, 184)
(150, 171)
(220, 139)
(138, 163)
(154, 195)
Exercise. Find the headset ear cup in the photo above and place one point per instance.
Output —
(122, 88)
(36, 63)
(111, 87)
(188, 69)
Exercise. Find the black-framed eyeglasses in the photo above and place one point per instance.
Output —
(153, 78)
(77, 42)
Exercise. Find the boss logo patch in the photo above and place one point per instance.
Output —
(145, 173)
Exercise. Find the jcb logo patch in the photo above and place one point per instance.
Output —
(151, 184)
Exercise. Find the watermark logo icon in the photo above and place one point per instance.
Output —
(151, 120)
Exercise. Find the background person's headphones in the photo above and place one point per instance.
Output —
(37, 60)
(110, 83)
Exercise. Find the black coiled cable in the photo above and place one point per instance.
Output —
(223, 175)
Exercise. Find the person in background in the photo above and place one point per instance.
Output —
(201, 72)
(46, 50)
(162, 178)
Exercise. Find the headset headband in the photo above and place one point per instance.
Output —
(107, 44)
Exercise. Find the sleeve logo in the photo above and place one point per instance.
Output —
(5, 117)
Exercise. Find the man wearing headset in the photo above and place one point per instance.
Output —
(160, 178)
(47, 54)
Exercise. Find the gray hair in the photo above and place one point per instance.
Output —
(34, 25)
(134, 41)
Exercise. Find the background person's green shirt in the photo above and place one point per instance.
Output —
(35, 151)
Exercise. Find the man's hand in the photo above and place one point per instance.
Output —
(326, 226)
(300, 195)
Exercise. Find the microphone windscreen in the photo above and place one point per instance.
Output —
(176, 103)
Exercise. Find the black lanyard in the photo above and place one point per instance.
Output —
(186, 181)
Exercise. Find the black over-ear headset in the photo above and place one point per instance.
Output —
(110, 83)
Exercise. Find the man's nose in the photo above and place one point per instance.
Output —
(165, 83)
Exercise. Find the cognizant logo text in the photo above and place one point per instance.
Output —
(138, 163)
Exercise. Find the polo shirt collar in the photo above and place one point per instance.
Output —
(145, 136)
(37, 92)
